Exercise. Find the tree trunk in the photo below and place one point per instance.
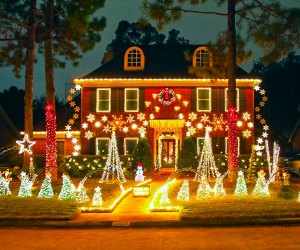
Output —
(232, 114)
(51, 164)
(29, 79)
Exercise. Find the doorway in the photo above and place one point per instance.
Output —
(168, 153)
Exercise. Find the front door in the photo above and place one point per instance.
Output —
(168, 153)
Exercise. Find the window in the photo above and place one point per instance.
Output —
(102, 145)
(134, 59)
(203, 99)
(129, 145)
(237, 99)
(103, 100)
(226, 145)
(131, 100)
(201, 57)
(200, 143)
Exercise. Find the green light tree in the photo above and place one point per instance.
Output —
(261, 187)
(241, 188)
(46, 190)
(26, 185)
(203, 191)
(68, 190)
(82, 196)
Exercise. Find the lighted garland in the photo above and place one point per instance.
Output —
(51, 153)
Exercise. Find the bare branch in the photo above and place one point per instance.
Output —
(199, 12)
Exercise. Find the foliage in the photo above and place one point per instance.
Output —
(286, 192)
(187, 157)
(142, 153)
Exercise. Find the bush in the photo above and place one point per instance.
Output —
(286, 192)
(142, 153)
(188, 155)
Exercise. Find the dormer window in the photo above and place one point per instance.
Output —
(202, 58)
(134, 59)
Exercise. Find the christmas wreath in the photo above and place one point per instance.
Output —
(166, 96)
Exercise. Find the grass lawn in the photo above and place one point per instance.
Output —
(232, 207)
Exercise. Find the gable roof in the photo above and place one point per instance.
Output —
(161, 61)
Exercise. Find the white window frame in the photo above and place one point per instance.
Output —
(237, 99)
(226, 147)
(101, 139)
(129, 139)
(138, 101)
(200, 110)
(109, 100)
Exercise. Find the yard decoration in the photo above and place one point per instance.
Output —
(240, 188)
(97, 198)
(261, 187)
(26, 185)
(46, 190)
(219, 188)
(184, 191)
(82, 196)
(68, 190)
(204, 189)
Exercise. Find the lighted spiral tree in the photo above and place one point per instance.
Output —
(51, 154)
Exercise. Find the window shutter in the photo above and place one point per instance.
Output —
(121, 100)
(141, 99)
(92, 146)
(93, 100)
(242, 100)
(222, 100)
(193, 99)
(214, 100)
(113, 100)
(120, 145)
(243, 146)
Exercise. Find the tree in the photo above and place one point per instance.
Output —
(68, 190)
(46, 190)
(184, 191)
(187, 155)
(273, 28)
(241, 188)
(142, 153)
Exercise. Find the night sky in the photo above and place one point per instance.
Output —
(198, 29)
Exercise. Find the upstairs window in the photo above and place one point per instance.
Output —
(237, 99)
(103, 100)
(131, 100)
(134, 59)
(202, 58)
(203, 99)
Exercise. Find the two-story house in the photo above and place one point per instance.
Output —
(151, 91)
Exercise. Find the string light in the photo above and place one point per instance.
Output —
(46, 190)
(261, 186)
(25, 144)
(241, 188)
(26, 185)
(51, 154)
(232, 139)
(68, 190)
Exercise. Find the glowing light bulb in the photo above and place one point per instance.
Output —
(134, 126)
(97, 124)
(199, 125)
(181, 116)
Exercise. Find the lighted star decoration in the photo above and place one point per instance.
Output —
(266, 127)
(91, 118)
(130, 118)
(250, 124)
(256, 87)
(142, 130)
(188, 124)
(264, 134)
(77, 87)
(259, 140)
(77, 147)
(246, 116)
(246, 133)
(262, 92)
(191, 130)
(192, 116)
(261, 104)
(72, 91)
(88, 135)
(258, 116)
(77, 109)
(97, 189)
(72, 104)
(141, 116)
(74, 140)
(145, 123)
(257, 109)
(71, 121)
(125, 129)
(263, 121)
(265, 98)
(259, 153)
(25, 145)
(68, 127)
(69, 134)
(84, 125)
(75, 116)
(104, 118)
(69, 98)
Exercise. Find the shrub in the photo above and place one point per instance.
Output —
(188, 155)
(142, 153)
(286, 192)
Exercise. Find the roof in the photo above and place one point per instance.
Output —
(161, 61)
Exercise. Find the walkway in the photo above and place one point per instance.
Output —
(133, 209)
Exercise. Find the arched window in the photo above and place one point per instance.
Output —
(134, 59)
(202, 58)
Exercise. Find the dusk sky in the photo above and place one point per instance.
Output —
(198, 29)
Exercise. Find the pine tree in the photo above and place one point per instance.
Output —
(142, 153)
(68, 191)
(113, 162)
(241, 188)
(97, 198)
(82, 196)
(184, 192)
(46, 190)
(164, 199)
(207, 166)
(252, 166)
(26, 184)
(219, 188)
(204, 189)
(261, 187)
(187, 155)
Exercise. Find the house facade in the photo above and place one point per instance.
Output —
(153, 92)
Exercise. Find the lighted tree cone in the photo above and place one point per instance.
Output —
(298, 199)
(4, 186)
(261, 186)
(97, 198)
(26, 185)
(207, 166)
(164, 199)
(204, 189)
(184, 191)
(32, 175)
(240, 188)
(219, 188)
(46, 190)
(68, 190)
(113, 162)
(251, 172)
(82, 196)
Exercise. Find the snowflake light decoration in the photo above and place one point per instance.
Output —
(204, 118)
(84, 125)
(91, 118)
(125, 129)
(130, 119)
(191, 130)
(107, 129)
(246, 116)
(188, 124)
(104, 118)
(142, 130)
(88, 135)
(192, 116)
(141, 116)
(246, 133)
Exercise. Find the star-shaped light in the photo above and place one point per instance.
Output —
(264, 134)
(263, 121)
(246, 133)
(188, 124)
(77, 109)
(77, 147)
(72, 103)
(84, 125)
(69, 134)
(258, 116)
(88, 135)
(75, 116)
(104, 118)
(265, 98)
(69, 98)
(71, 121)
(256, 87)
(90, 117)
(25, 144)
(262, 92)
(77, 87)
(259, 153)
(74, 140)
(68, 127)
(261, 104)
(125, 129)
(72, 91)
(257, 109)
(250, 124)
(266, 127)
(142, 130)
(97, 189)
(145, 123)
(246, 116)
(259, 140)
